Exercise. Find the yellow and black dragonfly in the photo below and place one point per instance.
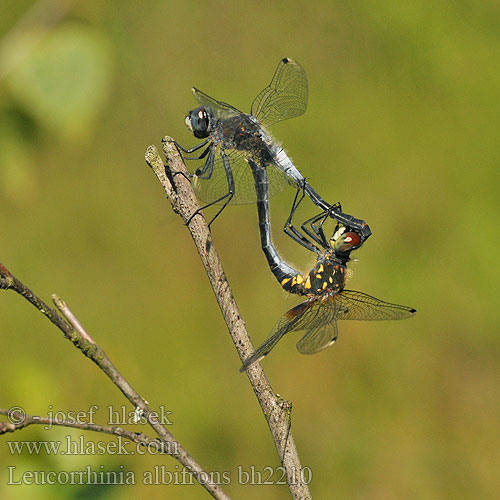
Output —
(324, 286)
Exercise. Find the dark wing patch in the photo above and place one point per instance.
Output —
(285, 97)
(297, 311)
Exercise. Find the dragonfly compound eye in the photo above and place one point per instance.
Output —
(198, 122)
(347, 242)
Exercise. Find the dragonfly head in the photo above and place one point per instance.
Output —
(343, 242)
(198, 121)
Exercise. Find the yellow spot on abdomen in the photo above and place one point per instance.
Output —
(308, 283)
(300, 279)
(325, 284)
(285, 281)
(320, 268)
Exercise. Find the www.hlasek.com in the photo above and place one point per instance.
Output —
(159, 475)
(72, 445)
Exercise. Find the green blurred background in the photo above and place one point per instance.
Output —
(402, 128)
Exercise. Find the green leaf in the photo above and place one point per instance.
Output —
(64, 80)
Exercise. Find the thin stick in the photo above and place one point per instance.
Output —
(72, 319)
(88, 347)
(276, 411)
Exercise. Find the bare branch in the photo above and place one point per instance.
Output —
(88, 347)
(184, 202)
(72, 319)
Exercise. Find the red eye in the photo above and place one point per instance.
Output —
(347, 242)
(352, 238)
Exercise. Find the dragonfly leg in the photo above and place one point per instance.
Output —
(230, 185)
(208, 170)
(316, 232)
(335, 212)
(291, 231)
(194, 148)
(189, 175)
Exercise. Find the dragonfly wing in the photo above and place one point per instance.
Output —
(360, 306)
(285, 97)
(318, 317)
(319, 338)
(210, 183)
(286, 324)
(319, 324)
(264, 349)
(245, 183)
(278, 180)
(212, 187)
(219, 108)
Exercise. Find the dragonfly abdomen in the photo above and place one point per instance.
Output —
(284, 163)
(294, 284)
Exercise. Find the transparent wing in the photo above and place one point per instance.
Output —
(319, 315)
(285, 97)
(360, 306)
(319, 338)
(286, 324)
(219, 108)
(319, 323)
(212, 188)
(321, 318)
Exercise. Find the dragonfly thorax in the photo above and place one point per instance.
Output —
(329, 274)
(242, 133)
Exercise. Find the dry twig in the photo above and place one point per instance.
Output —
(82, 340)
(276, 410)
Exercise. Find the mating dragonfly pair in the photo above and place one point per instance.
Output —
(244, 164)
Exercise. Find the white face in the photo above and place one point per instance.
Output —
(188, 123)
(340, 231)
